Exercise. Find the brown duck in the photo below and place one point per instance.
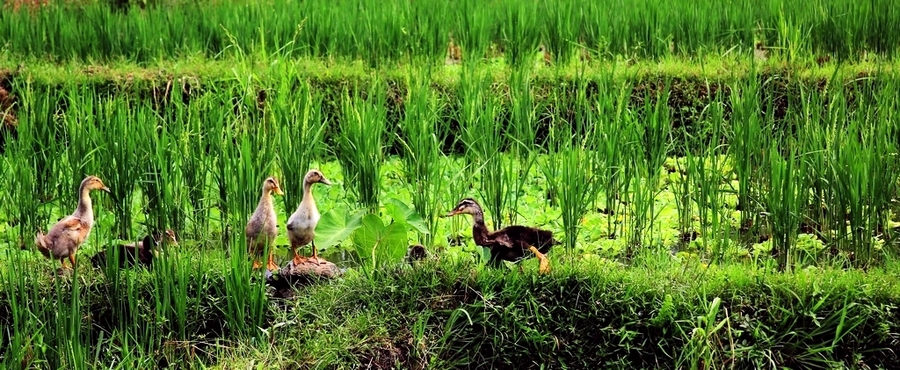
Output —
(262, 228)
(67, 235)
(140, 253)
(511, 243)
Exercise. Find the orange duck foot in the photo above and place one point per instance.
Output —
(544, 262)
(272, 266)
(298, 259)
(256, 265)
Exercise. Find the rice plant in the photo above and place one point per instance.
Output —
(163, 184)
(484, 143)
(710, 176)
(574, 165)
(37, 153)
(377, 32)
(124, 153)
(747, 137)
(191, 143)
(360, 147)
(785, 196)
(297, 116)
(649, 145)
(612, 149)
(423, 134)
(521, 134)
(822, 161)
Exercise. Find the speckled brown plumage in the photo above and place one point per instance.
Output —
(262, 228)
(67, 235)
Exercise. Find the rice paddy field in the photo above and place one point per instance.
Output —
(722, 177)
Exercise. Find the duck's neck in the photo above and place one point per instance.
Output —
(307, 193)
(265, 201)
(85, 206)
(479, 229)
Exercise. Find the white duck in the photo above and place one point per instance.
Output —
(301, 225)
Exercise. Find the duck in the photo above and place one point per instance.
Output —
(140, 253)
(454, 53)
(416, 252)
(301, 225)
(67, 235)
(510, 243)
(262, 228)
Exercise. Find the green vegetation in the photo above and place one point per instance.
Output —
(589, 313)
(379, 32)
(716, 210)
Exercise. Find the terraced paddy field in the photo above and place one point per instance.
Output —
(722, 181)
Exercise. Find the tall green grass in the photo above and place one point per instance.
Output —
(379, 32)
(521, 135)
(361, 144)
(649, 142)
(575, 164)
(498, 175)
(423, 133)
(296, 114)
(824, 165)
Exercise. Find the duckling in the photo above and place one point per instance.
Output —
(302, 223)
(263, 225)
(454, 53)
(509, 243)
(416, 252)
(142, 252)
(67, 235)
(759, 51)
(545, 55)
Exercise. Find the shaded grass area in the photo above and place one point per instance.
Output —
(690, 85)
(198, 70)
(659, 312)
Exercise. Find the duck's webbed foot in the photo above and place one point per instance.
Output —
(544, 262)
(272, 266)
(297, 258)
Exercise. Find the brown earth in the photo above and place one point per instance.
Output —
(8, 119)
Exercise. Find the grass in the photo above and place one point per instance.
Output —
(383, 33)
(711, 215)
(440, 315)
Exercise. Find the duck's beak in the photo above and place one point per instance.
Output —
(278, 191)
(106, 189)
(452, 213)
(325, 181)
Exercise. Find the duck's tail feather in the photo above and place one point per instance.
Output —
(40, 240)
(147, 246)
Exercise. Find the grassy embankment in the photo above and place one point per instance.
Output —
(716, 212)
(624, 282)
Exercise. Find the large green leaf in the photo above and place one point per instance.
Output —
(401, 212)
(336, 225)
(377, 244)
